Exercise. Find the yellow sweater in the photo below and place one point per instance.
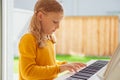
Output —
(37, 63)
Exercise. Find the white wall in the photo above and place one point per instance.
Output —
(24, 4)
(21, 20)
(91, 7)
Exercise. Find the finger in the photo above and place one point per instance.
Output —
(73, 68)
(77, 66)
(81, 64)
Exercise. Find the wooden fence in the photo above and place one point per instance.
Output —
(91, 35)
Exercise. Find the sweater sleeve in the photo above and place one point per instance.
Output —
(60, 62)
(28, 67)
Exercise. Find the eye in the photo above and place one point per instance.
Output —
(55, 22)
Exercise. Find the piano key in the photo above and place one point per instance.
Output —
(80, 77)
(87, 72)
(83, 74)
(71, 78)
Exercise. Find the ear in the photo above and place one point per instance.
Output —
(40, 15)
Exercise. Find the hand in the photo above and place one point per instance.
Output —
(72, 67)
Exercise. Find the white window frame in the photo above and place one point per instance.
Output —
(7, 54)
(0, 39)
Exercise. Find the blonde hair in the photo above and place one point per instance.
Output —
(35, 25)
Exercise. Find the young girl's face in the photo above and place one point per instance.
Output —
(50, 21)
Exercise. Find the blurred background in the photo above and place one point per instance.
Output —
(89, 30)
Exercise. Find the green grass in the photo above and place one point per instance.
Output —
(68, 58)
(15, 65)
(76, 58)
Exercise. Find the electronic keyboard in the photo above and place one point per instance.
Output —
(89, 71)
(97, 70)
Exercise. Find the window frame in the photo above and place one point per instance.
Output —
(0, 39)
(7, 55)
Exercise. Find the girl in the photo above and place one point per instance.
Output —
(37, 56)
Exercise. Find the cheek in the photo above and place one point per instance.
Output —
(47, 28)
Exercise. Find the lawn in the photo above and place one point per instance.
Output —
(68, 58)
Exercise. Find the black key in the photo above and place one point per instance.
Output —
(87, 72)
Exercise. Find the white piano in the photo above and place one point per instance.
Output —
(97, 70)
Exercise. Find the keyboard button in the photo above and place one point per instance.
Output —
(87, 72)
